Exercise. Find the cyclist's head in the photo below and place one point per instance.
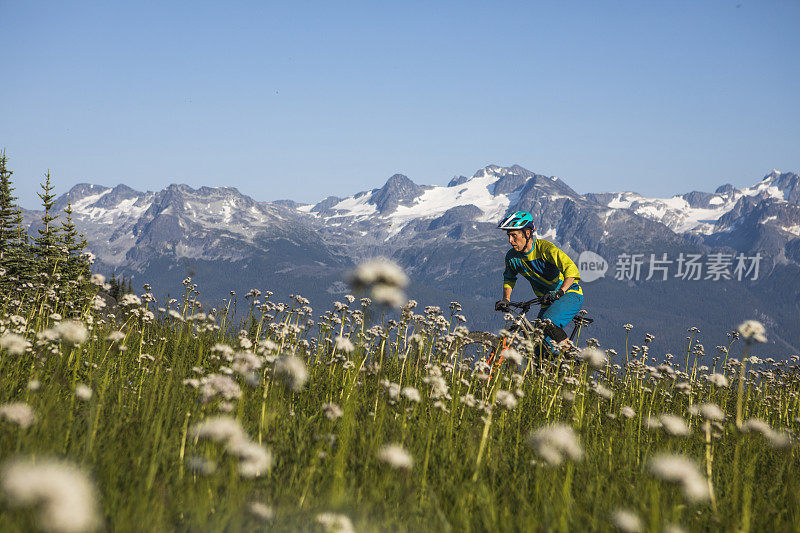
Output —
(518, 220)
(519, 226)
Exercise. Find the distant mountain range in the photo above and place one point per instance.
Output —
(446, 239)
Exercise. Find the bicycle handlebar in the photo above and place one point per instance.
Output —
(529, 303)
(525, 306)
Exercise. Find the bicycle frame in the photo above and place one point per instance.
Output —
(521, 323)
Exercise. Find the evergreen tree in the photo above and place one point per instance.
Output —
(75, 267)
(15, 250)
(7, 211)
(114, 290)
(21, 262)
(47, 246)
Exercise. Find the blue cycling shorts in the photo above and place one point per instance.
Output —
(562, 310)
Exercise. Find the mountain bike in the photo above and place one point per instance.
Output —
(485, 346)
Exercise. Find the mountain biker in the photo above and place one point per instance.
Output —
(551, 273)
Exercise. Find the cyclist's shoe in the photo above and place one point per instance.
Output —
(566, 347)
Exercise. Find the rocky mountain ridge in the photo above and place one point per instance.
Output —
(445, 237)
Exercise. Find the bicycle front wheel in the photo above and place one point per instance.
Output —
(479, 346)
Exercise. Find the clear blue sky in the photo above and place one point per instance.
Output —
(305, 99)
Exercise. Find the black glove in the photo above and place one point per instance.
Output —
(502, 305)
(552, 296)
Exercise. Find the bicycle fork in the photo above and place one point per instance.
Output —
(496, 354)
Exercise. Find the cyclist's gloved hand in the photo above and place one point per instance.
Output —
(502, 305)
(552, 296)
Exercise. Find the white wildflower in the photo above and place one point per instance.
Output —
(66, 496)
(261, 511)
(223, 350)
(594, 358)
(682, 470)
(387, 295)
(626, 521)
(554, 442)
(392, 389)
(512, 355)
(711, 412)
(83, 392)
(19, 413)
(219, 429)
(439, 388)
(246, 362)
(254, 459)
(335, 523)
(379, 271)
(47, 336)
(130, 300)
(674, 425)
(718, 380)
(411, 394)
(396, 456)
(293, 371)
(468, 400)
(115, 336)
(775, 438)
(627, 412)
(603, 392)
(34, 385)
(98, 303)
(343, 344)
(15, 344)
(244, 343)
(332, 411)
(72, 331)
(217, 384)
(752, 331)
(506, 399)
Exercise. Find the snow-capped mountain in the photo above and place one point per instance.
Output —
(446, 238)
(701, 212)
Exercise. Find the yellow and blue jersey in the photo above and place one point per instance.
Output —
(545, 267)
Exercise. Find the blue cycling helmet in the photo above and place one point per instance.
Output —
(517, 220)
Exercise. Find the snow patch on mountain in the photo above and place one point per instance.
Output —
(436, 200)
(795, 229)
(125, 209)
(82, 204)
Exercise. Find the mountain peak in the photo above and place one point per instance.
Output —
(79, 192)
(457, 180)
(398, 190)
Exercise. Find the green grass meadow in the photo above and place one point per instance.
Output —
(196, 423)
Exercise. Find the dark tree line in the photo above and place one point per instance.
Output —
(52, 270)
